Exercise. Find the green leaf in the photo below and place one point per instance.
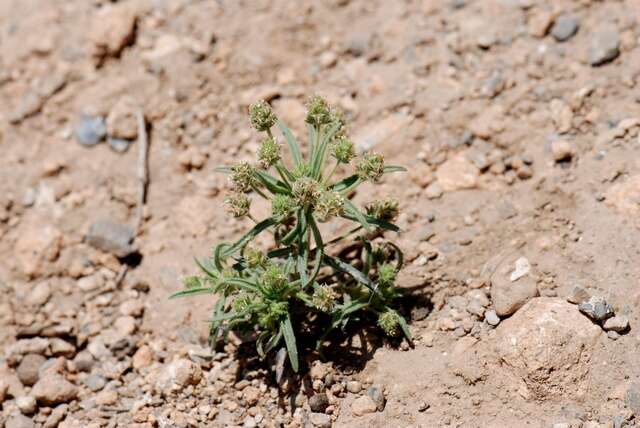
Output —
(319, 251)
(205, 269)
(290, 341)
(291, 141)
(217, 256)
(313, 136)
(341, 266)
(303, 247)
(280, 252)
(320, 154)
(346, 183)
(223, 169)
(404, 327)
(374, 221)
(242, 283)
(394, 168)
(356, 214)
(257, 229)
(272, 184)
(273, 342)
(192, 292)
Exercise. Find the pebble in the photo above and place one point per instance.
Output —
(95, 382)
(632, 398)
(363, 405)
(605, 47)
(618, 323)
(112, 29)
(613, 335)
(565, 27)
(142, 358)
(118, 145)
(84, 361)
(578, 295)
(376, 393)
(492, 318)
(475, 307)
(122, 123)
(522, 268)
(177, 375)
(423, 406)
(561, 150)
(27, 371)
(596, 308)
(54, 389)
(90, 130)
(27, 404)
(18, 421)
(320, 420)
(111, 237)
(319, 402)
(354, 387)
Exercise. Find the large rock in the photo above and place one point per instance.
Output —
(548, 344)
(512, 286)
(54, 389)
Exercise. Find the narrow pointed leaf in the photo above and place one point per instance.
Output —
(341, 266)
(257, 229)
(345, 183)
(404, 327)
(291, 142)
(290, 341)
(394, 168)
(272, 184)
(356, 214)
(192, 292)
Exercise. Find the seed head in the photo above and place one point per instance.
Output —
(306, 191)
(386, 274)
(274, 313)
(282, 205)
(243, 176)
(255, 257)
(238, 204)
(370, 167)
(269, 152)
(329, 205)
(301, 170)
(273, 279)
(343, 150)
(386, 209)
(242, 302)
(324, 298)
(388, 322)
(262, 116)
(318, 112)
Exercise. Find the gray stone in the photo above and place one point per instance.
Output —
(492, 318)
(319, 402)
(376, 392)
(512, 286)
(632, 398)
(619, 323)
(605, 47)
(56, 416)
(320, 420)
(578, 295)
(18, 421)
(95, 382)
(565, 27)
(475, 307)
(90, 130)
(27, 404)
(84, 361)
(613, 335)
(111, 237)
(54, 389)
(28, 369)
(596, 308)
(119, 145)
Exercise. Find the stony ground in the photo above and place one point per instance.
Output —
(518, 120)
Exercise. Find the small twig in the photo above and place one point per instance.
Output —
(123, 271)
(143, 175)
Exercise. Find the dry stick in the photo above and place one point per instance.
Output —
(143, 176)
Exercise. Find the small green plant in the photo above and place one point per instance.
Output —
(298, 288)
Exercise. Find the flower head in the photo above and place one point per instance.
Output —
(282, 205)
(318, 112)
(370, 167)
(238, 204)
(242, 302)
(324, 298)
(255, 257)
(329, 205)
(306, 191)
(343, 150)
(262, 116)
(273, 314)
(389, 321)
(386, 274)
(243, 176)
(269, 152)
(273, 279)
(386, 209)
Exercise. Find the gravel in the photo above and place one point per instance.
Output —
(605, 47)
(90, 130)
(565, 27)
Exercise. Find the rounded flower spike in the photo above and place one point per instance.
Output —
(282, 205)
(318, 112)
(389, 321)
(370, 167)
(262, 116)
(343, 150)
(324, 298)
(329, 205)
(238, 204)
(243, 176)
(269, 152)
(306, 191)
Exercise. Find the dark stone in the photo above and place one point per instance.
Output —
(565, 27)
(376, 392)
(596, 308)
(319, 402)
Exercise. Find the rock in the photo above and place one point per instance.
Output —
(35, 345)
(60, 347)
(618, 323)
(546, 344)
(90, 130)
(111, 237)
(492, 87)
(624, 196)
(177, 375)
(95, 382)
(632, 398)
(118, 145)
(319, 371)
(54, 389)
(433, 191)
(363, 405)
(522, 268)
(564, 27)
(596, 308)
(27, 371)
(320, 420)
(107, 398)
(354, 387)
(507, 295)
(380, 131)
(251, 395)
(56, 416)
(84, 361)
(376, 393)
(319, 402)
(125, 326)
(132, 307)
(561, 115)
(4, 388)
(39, 295)
(142, 358)
(492, 318)
(475, 307)
(561, 150)
(457, 173)
(27, 404)
(605, 47)
(122, 122)
(613, 335)
(540, 22)
(35, 247)
(19, 421)
(112, 30)
(578, 295)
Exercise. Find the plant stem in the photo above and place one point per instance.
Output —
(259, 192)
(333, 170)
(282, 174)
